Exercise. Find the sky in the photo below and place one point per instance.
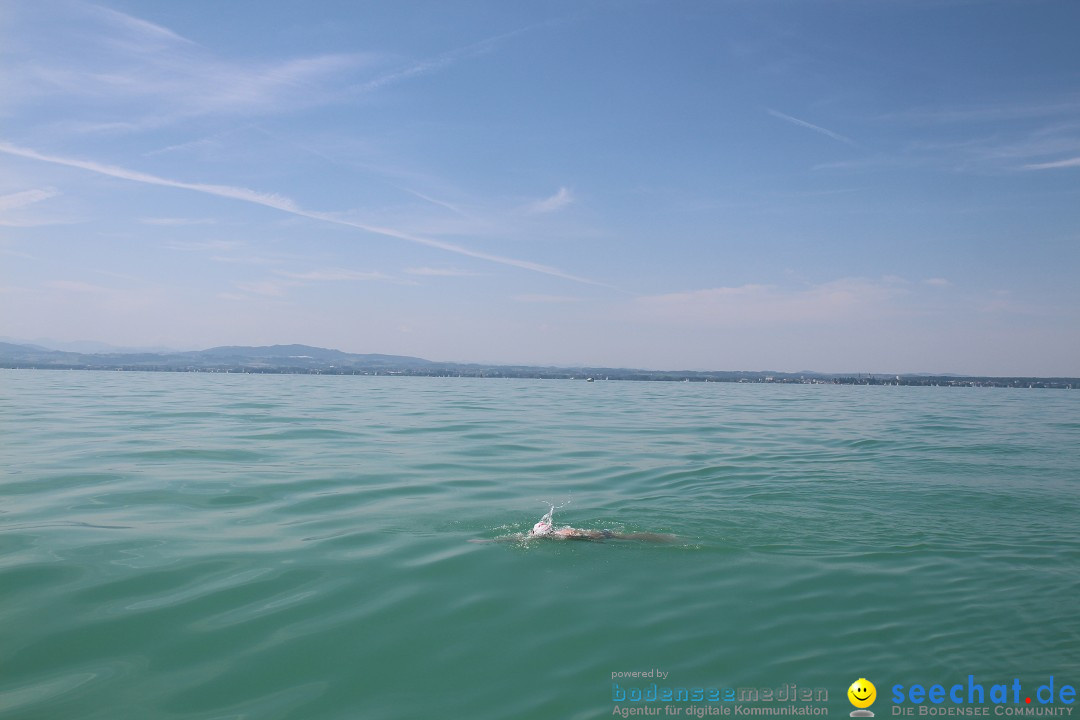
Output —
(788, 185)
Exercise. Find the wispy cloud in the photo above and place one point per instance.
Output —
(207, 245)
(415, 69)
(332, 275)
(245, 259)
(1020, 109)
(423, 67)
(1016, 134)
(266, 288)
(937, 282)
(210, 144)
(547, 299)
(78, 287)
(440, 272)
(24, 198)
(1070, 162)
(1023, 149)
(840, 301)
(139, 34)
(550, 204)
(434, 201)
(810, 126)
(284, 280)
(16, 253)
(170, 222)
(12, 204)
(226, 191)
(131, 74)
(284, 204)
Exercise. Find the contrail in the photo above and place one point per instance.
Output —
(284, 204)
(811, 126)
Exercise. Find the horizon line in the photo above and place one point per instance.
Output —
(120, 350)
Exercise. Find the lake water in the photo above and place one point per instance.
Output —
(265, 546)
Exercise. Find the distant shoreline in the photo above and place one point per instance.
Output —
(626, 375)
(308, 360)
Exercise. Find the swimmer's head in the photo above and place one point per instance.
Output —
(541, 528)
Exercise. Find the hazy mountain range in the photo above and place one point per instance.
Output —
(308, 359)
(84, 346)
(283, 357)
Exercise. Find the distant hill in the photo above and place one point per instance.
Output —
(308, 359)
(82, 346)
(283, 358)
(306, 354)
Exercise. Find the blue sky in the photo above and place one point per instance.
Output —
(886, 186)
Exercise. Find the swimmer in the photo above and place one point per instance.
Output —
(544, 530)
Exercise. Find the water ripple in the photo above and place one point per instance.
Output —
(200, 546)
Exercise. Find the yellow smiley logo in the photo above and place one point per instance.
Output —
(862, 693)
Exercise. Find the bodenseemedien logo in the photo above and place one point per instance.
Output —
(862, 695)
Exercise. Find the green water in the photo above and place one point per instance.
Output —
(248, 546)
